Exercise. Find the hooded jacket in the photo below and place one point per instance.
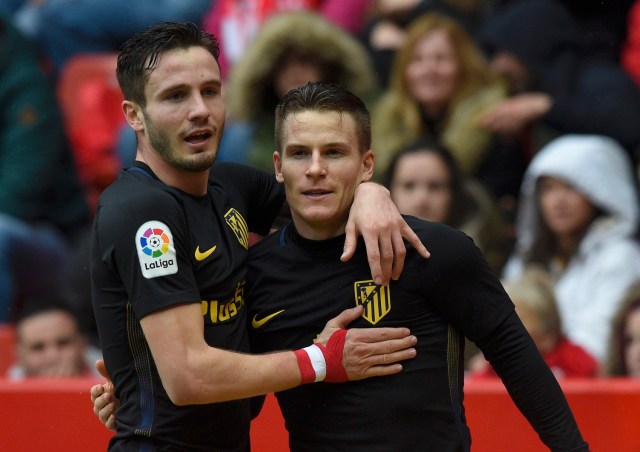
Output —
(592, 285)
(251, 99)
(589, 96)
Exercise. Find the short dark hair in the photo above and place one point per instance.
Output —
(33, 306)
(140, 54)
(324, 97)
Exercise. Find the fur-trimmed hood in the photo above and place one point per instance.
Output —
(250, 79)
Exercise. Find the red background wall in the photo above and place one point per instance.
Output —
(57, 416)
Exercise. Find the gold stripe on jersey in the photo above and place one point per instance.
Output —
(454, 352)
(238, 225)
(375, 299)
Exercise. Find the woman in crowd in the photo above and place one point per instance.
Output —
(577, 218)
(439, 87)
(425, 182)
(624, 348)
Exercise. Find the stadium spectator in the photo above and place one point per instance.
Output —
(63, 28)
(290, 49)
(532, 295)
(577, 218)
(236, 22)
(624, 348)
(425, 182)
(42, 205)
(384, 31)
(630, 52)
(555, 87)
(440, 85)
(49, 343)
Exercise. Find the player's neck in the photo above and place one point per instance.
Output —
(193, 183)
(318, 231)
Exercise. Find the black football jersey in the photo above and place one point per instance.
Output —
(295, 285)
(155, 246)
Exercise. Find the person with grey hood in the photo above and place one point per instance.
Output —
(290, 49)
(538, 47)
(577, 217)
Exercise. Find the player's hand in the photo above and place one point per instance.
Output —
(370, 352)
(374, 216)
(104, 400)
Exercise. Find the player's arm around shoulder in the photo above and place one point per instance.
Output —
(192, 372)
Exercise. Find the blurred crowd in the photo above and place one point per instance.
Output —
(515, 121)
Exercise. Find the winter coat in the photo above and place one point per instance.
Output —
(458, 130)
(251, 98)
(588, 96)
(591, 287)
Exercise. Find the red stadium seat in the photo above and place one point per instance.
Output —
(90, 99)
(7, 347)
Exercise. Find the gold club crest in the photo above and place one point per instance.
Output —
(376, 300)
(238, 225)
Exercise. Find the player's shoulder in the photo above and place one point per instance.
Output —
(441, 238)
(132, 196)
(132, 186)
(235, 175)
(429, 230)
(267, 244)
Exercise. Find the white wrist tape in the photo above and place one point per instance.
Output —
(317, 361)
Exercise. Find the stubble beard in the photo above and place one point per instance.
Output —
(161, 143)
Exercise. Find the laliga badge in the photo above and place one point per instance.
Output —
(156, 250)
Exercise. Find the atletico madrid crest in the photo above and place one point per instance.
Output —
(239, 226)
(376, 300)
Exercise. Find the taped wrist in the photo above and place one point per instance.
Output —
(323, 363)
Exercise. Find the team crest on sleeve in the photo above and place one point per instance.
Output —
(239, 226)
(156, 250)
(376, 300)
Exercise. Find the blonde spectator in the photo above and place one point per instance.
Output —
(440, 84)
(533, 297)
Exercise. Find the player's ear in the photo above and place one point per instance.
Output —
(277, 166)
(367, 165)
(133, 115)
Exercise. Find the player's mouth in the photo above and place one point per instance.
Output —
(198, 137)
(316, 193)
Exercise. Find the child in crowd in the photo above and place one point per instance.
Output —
(535, 304)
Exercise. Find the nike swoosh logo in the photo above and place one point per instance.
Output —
(255, 323)
(200, 256)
